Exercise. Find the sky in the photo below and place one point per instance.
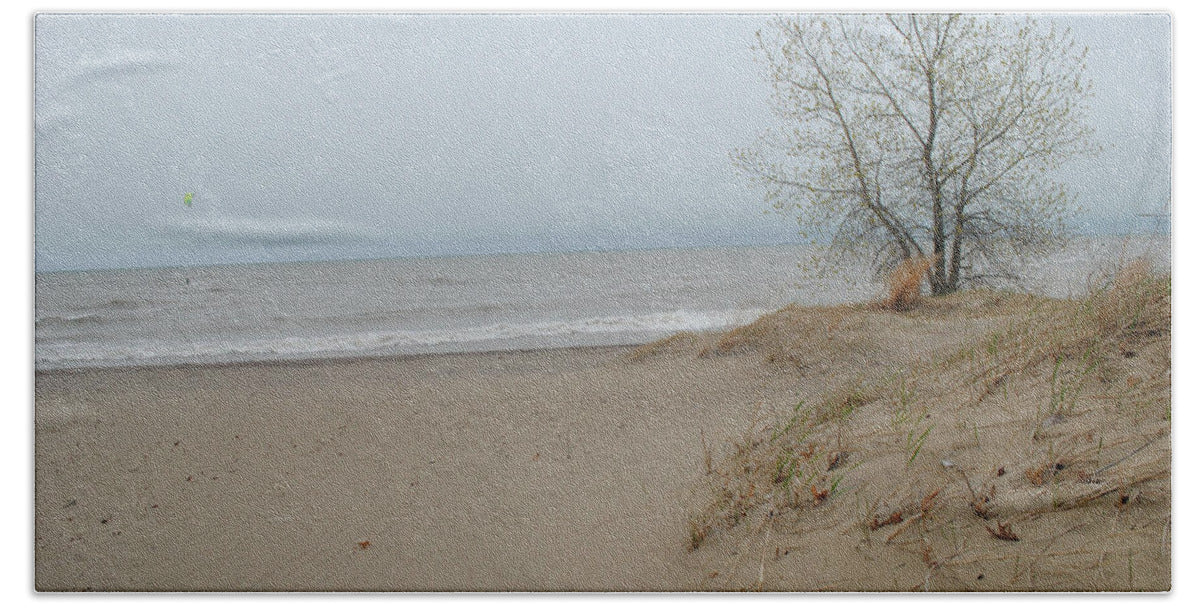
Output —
(361, 136)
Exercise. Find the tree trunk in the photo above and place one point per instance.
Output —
(956, 249)
(938, 283)
(960, 208)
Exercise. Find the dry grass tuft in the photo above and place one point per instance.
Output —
(1133, 303)
(841, 402)
(772, 331)
(679, 340)
(790, 335)
(904, 284)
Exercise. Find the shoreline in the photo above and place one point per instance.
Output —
(147, 320)
(323, 360)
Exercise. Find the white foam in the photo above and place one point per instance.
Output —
(497, 335)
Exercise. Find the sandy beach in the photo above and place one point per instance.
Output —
(585, 468)
(556, 469)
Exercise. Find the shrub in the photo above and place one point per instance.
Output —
(904, 285)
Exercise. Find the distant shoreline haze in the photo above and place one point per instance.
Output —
(175, 140)
(244, 250)
(199, 257)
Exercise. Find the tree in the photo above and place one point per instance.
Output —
(935, 136)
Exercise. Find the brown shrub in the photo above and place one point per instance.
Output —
(904, 285)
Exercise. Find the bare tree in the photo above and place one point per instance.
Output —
(924, 136)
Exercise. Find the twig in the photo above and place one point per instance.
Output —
(1126, 457)
(976, 559)
(1166, 528)
(763, 561)
(903, 526)
(1050, 540)
(707, 454)
(1086, 498)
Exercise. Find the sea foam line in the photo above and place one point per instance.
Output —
(646, 326)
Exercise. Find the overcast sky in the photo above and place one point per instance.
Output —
(317, 137)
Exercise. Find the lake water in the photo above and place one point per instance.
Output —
(254, 312)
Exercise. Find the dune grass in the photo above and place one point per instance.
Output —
(963, 460)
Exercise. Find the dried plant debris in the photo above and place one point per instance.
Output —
(837, 460)
(980, 504)
(819, 496)
(1041, 475)
(879, 521)
(1003, 531)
